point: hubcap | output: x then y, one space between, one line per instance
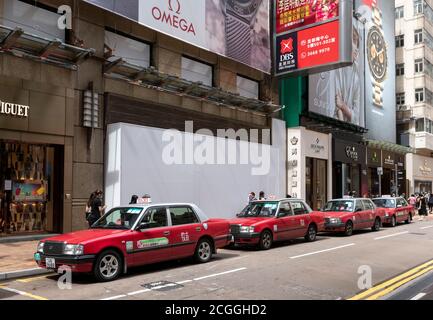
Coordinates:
108 266
266 240
349 228
204 251
312 233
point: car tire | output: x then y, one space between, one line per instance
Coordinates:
203 251
266 240
376 226
108 266
311 235
393 222
348 229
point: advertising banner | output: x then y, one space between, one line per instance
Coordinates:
29 191
312 36
238 29
293 14
363 94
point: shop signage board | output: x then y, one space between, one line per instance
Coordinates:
312 36
14 109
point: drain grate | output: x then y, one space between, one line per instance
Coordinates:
162 286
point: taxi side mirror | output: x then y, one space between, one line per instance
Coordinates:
358 210
143 226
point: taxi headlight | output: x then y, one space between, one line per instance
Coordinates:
40 247
73 249
247 229
335 220
387 214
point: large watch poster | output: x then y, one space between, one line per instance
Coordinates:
238 29
364 93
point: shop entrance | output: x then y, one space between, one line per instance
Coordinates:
31 188
316 183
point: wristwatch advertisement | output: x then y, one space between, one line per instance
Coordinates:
377 54
239 21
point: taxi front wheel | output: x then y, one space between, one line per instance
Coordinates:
203 252
108 266
265 242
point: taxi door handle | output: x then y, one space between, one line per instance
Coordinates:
198 229
166 233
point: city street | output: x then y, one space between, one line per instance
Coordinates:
326 269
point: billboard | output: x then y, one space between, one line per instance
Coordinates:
363 94
293 14
312 36
238 29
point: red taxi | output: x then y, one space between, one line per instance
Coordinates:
397 210
347 215
263 222
136 235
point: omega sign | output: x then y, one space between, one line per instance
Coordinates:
172 16
14 109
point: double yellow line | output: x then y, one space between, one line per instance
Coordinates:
389 286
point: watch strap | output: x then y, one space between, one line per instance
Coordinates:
377 16
238 39
378 94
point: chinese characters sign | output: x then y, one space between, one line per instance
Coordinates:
308 48
292 14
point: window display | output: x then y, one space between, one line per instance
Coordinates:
25 176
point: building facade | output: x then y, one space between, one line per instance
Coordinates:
59 99
414 85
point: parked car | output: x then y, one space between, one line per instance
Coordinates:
397 210
263 222
136 235
347 215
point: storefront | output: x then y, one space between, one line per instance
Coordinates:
389 163
419 173
374 165
310 150
349 168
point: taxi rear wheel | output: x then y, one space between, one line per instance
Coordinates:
265 242
311 234
203 252
376 226
108 266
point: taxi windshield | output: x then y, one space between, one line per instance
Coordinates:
339 206
384 203
259 209
118 218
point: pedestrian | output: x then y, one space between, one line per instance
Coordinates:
252 197
422 210
430 203
134 199
262 196
412 201
97 208
89 205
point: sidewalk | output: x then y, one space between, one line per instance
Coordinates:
16 260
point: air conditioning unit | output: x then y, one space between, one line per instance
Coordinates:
403 108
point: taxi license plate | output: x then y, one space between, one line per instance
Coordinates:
50 263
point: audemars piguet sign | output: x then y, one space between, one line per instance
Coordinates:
13 109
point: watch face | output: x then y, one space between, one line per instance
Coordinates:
244 7
377 54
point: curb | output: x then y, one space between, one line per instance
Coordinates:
23 273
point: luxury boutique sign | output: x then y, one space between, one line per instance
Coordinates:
14 109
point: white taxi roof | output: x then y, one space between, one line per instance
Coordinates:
201 215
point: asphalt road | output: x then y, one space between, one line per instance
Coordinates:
329 269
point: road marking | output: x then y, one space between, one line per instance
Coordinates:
391 282
392 235
22 293
27 280
419 296
322 251
424 228
219 274
115 297
172 284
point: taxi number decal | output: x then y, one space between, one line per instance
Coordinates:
275 228
151 243
129 246
184 236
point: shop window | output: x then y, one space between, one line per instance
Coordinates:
247 88
32 19
28 189
195 71
132 51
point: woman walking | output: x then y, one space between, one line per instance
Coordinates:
97 208
422 207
